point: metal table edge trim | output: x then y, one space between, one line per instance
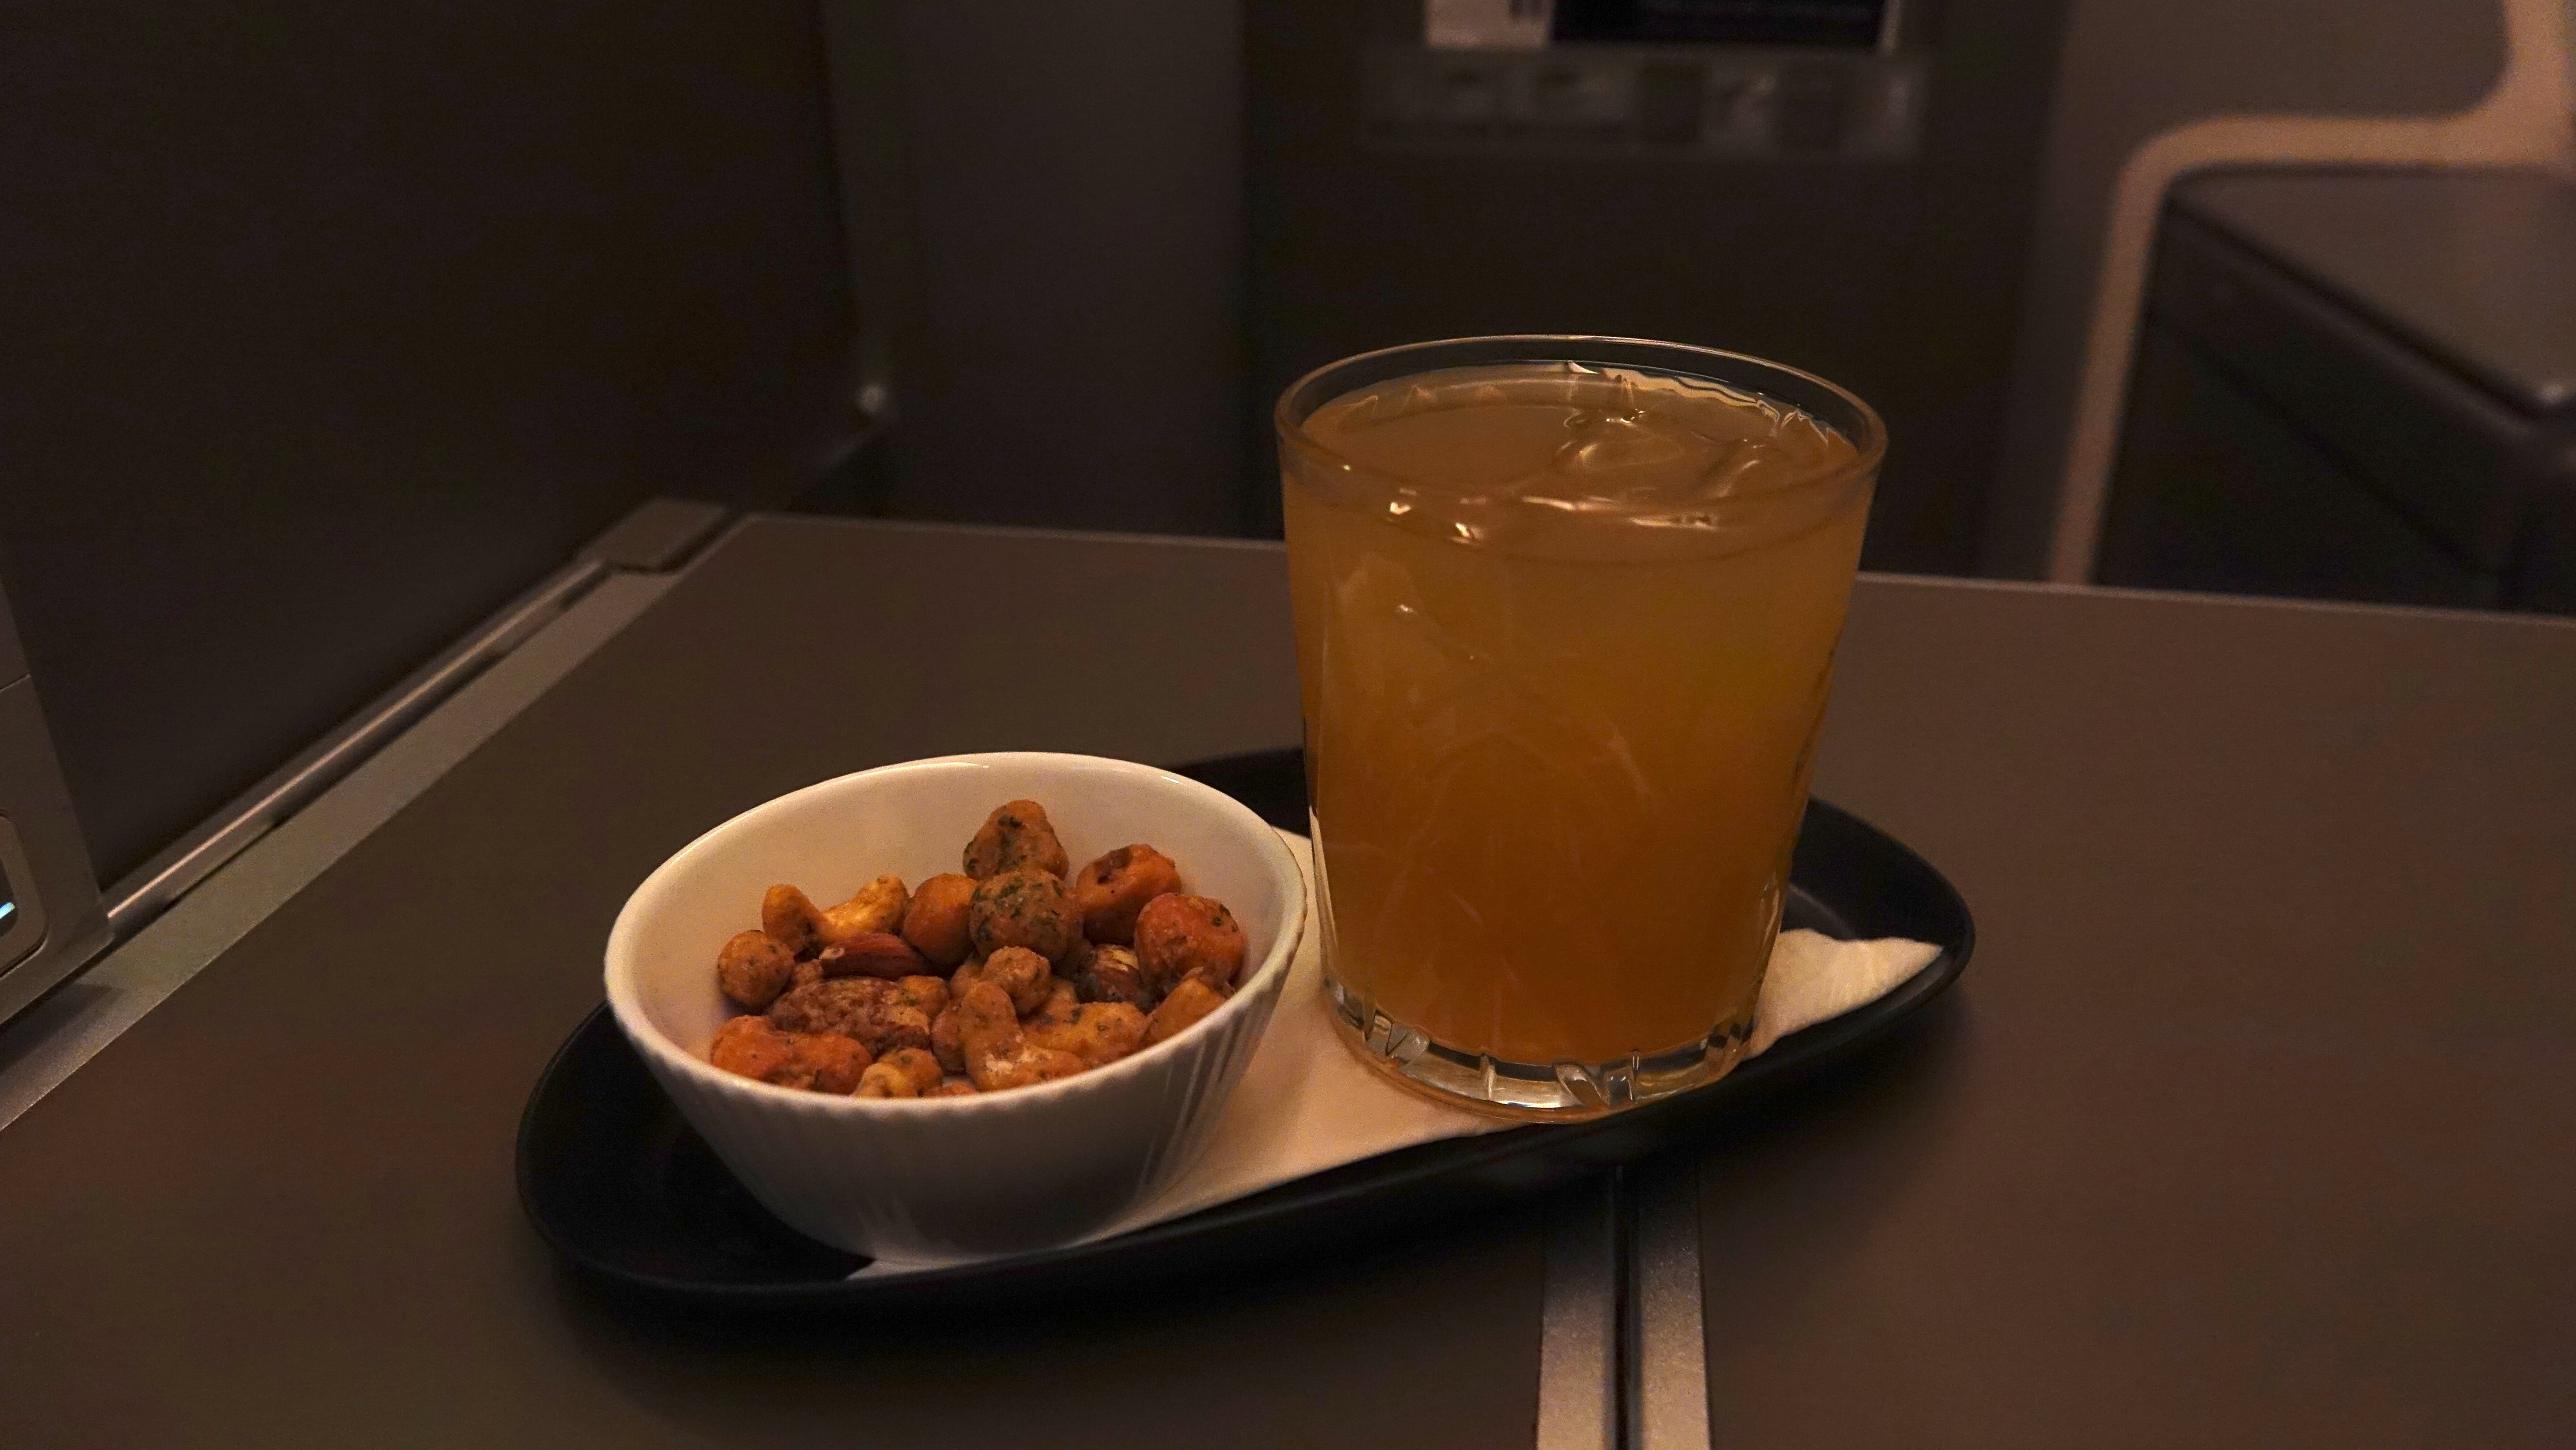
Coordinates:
1014 531
275 859
1579 1385
1623 1357
1666 1370
155 886
2204 600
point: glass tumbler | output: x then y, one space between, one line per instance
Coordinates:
1566 610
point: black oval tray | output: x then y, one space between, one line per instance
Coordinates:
620 1186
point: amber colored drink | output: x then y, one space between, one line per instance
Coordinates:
1564 632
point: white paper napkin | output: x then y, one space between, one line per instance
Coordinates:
1306 1103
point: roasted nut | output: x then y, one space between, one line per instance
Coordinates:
751 1047
935 923
791 916
1188 936
788 915
1190 1001
1022 975
1061 1000
1046 978
753 968
882 1081
865 1008
1075 958
1016 834
1110 891
918 1064
997 1056
986 1021
906 1072
876 907
930 994
822 1061
1027 1067
1112 975
835 1062
945 1043
1024 908
1097 1032
985 1018
871 954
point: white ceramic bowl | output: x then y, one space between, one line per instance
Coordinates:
938 1179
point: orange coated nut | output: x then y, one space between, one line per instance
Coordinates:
1190 1001
834 1063
997 1056
1111 890
820 1061
1024 908
946 1045
882 1081
871 954
1022 975
1015 835
753 968
787 914
1059 1006
791 916
1030 1066
876 907
917 1064
906 1072
753 1048
928 993
1188 936
986 1021
1097 1032
935 924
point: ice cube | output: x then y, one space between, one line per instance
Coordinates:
1623 457
1743 469
1391 404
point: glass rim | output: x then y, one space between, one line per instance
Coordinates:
1861 423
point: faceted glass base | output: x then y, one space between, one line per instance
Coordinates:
1541 1092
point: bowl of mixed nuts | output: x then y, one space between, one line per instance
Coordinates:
964 1006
